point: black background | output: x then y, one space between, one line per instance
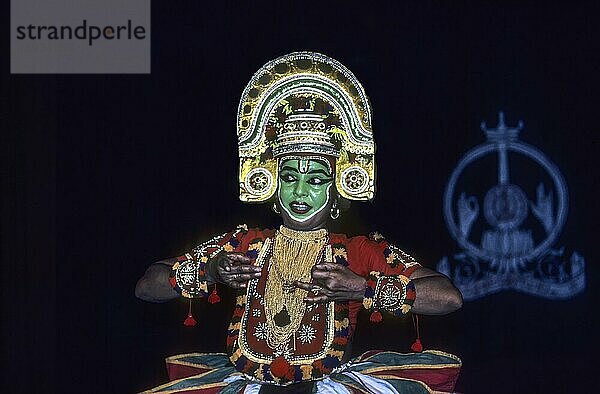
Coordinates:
104 174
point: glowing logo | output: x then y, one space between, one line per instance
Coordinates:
510 246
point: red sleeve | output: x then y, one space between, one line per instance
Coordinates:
387 270
368 254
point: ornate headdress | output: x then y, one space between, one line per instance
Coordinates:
308 104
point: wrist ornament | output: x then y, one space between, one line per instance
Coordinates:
188 277
394 294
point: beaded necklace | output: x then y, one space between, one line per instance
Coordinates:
294 255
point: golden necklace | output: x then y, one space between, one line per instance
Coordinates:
294 255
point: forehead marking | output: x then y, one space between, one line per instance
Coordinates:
306 160
303 165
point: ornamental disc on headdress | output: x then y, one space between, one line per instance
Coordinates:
308 104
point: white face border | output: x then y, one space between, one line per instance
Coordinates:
293 216
287 210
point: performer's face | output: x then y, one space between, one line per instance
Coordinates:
305 192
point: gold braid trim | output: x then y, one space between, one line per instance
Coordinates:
294 255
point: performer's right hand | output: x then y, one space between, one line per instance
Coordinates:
235 270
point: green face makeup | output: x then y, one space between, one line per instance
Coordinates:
304 187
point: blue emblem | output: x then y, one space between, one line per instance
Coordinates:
507 237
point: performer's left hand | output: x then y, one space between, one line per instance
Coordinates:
333 282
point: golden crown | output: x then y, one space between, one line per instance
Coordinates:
305 103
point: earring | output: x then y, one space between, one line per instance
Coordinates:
335 211
275 209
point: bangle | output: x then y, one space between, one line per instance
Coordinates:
188 277
394 294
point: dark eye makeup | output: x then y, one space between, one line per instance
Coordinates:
318 181
288 177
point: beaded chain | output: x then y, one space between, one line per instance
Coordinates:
294 255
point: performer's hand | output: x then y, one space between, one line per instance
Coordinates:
235 270
333 282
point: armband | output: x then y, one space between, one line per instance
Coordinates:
394 294
188 277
